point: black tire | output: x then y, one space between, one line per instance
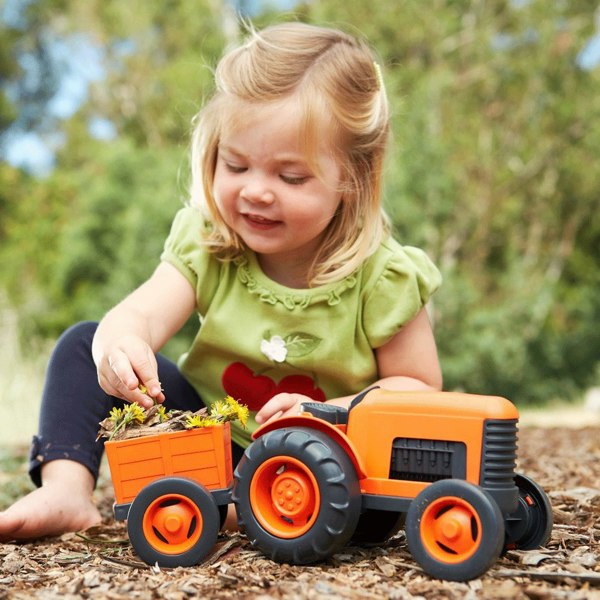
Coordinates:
530 526
173 522
325 500
377 526
454 530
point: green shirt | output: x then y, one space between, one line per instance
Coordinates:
258 338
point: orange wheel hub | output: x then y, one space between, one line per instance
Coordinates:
285 497
450 530
172 524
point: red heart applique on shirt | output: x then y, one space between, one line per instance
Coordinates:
243 385
300 384
254 390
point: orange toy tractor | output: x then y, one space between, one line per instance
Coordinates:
440 464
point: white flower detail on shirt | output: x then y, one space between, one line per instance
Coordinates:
274 349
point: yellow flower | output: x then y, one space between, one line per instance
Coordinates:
240 411
229 410
135 413
122 417
198 422
115 415
163 415
220 410
243 414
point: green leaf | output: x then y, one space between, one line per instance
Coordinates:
300 344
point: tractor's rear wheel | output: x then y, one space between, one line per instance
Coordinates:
297 495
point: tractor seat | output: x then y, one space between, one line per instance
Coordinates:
336 415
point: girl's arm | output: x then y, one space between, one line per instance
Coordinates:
408 362
130 334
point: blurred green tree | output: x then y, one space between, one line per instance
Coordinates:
495 122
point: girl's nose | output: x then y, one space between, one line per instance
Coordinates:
256 189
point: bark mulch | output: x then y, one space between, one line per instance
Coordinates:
99 562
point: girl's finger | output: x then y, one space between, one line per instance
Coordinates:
114 386
147 375
154 397
121 367
276 407
109 388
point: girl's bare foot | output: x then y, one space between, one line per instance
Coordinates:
63 504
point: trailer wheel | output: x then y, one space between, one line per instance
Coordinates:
376 526
454 530
297 495
173 522
529 527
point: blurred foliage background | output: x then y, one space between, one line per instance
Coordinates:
492 171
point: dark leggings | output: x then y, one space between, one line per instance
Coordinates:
73 404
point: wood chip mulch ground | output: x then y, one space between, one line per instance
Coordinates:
99 562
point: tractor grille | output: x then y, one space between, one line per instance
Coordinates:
427 460
499 454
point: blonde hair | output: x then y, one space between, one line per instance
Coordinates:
331 74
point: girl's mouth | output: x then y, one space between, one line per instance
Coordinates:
259 221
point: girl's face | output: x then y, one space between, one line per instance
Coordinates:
269 195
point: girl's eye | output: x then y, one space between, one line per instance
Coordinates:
235 168
294 179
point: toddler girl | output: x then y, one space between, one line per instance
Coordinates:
284 254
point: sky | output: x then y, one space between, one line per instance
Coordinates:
83 65
82 62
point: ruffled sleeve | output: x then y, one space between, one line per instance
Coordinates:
184 251
403 279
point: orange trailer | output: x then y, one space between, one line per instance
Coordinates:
173 489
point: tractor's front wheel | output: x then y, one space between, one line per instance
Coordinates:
454 530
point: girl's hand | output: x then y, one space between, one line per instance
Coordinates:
126 364
281 405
